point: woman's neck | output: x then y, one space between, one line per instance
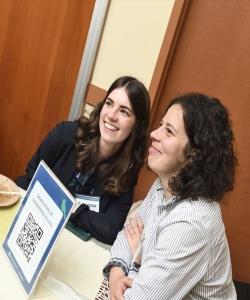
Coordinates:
106 150
166 188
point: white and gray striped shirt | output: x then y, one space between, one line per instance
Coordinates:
185 252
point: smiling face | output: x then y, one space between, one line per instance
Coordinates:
166 153
117 120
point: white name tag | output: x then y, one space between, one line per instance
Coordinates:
93 202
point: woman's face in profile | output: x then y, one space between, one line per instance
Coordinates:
166 153
117 119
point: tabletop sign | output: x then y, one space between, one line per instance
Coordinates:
41 217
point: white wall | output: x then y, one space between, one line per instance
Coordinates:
131 40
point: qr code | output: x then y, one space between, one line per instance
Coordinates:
29 237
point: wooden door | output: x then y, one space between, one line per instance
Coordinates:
41 46
212 55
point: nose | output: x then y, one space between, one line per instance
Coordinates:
112 114
155 134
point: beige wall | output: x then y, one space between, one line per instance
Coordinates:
131 40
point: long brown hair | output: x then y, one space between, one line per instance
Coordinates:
120 175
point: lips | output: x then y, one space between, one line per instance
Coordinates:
110 126
153 150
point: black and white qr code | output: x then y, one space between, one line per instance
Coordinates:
29 237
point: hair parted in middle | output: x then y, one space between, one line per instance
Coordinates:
130 157
209 171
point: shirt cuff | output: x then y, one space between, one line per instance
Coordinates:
135 267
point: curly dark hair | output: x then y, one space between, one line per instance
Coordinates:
209 171
129 159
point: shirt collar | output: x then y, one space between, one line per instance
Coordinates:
163 201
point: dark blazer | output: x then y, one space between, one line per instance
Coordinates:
58 151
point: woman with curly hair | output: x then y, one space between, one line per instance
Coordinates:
176 246
100 157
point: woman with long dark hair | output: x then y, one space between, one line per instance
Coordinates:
100 157
176 247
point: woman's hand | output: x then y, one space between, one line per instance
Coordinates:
133 232
118 283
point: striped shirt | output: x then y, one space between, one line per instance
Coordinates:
184 254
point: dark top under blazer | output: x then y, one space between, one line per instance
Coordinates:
58 151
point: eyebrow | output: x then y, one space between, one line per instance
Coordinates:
122 106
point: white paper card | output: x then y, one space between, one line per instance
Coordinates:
42 215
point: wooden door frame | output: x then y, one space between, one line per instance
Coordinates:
168 46
89 56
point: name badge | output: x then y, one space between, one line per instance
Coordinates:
93 202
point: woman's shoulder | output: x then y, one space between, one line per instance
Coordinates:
202 213
196 209
65 130
61 135
67 126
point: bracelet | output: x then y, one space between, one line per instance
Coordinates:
115 262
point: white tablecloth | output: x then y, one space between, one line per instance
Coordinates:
73 268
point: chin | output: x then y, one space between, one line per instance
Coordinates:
152 166
107 135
